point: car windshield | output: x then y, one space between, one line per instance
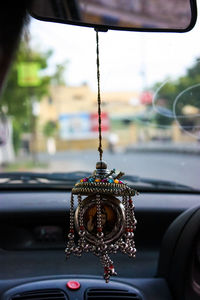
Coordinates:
150 93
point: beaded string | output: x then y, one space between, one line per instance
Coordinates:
99 97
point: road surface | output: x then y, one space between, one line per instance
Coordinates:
182 168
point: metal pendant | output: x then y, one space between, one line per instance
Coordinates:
104 218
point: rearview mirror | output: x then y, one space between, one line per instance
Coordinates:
136 15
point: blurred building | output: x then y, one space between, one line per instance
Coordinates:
74 110
70 117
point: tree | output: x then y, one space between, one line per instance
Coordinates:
58 77
50 129
176 94
17 101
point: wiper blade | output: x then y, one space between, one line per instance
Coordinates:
158 183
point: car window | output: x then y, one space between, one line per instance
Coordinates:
150 87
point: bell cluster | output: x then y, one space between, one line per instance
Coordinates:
100 247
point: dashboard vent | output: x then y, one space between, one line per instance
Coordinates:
52 294
110 294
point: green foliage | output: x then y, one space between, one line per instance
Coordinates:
18 100
182 88
58 77
14 96
50 129
16 135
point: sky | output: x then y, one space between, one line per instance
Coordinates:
129 61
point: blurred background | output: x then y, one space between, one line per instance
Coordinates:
150 102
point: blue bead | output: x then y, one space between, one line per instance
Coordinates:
110 180
91 179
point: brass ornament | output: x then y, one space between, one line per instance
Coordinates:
102 219
104 223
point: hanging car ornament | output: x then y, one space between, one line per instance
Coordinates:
103 222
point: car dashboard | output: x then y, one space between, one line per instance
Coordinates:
33 231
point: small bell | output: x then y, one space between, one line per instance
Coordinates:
104 218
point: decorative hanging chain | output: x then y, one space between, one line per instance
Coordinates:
99 97
102 223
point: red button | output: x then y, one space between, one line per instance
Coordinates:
73 285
